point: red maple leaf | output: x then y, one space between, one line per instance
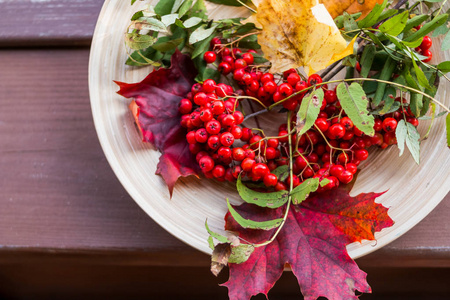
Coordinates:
312 241
157 98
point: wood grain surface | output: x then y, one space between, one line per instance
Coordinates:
47 22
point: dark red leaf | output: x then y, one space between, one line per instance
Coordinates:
157 97
313 242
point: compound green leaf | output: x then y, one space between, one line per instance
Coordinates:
354 102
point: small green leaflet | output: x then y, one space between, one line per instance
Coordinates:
201 33
372 18
354 102
367 59
413 44
132 2
212 234
270 200
164 7
176 5
241 253
427 28
444 66
423 81
282 172
447 126
446 42
415 21
406 132
395 25
149 23
184 8
191 22
386 74
169 19
301 192
137 41
168 45
339 20
309 111
388 101
264 225
349 23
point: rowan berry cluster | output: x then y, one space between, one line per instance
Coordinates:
333 148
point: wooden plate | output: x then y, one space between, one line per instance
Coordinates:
413 190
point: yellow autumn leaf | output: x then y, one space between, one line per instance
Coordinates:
298 33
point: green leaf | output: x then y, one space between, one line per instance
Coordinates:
184 8
138 41
394 107
372 18
241 253
354 102
414 44
423 81
309 111
395 25
150 23
443 29
164 7
132 2
415 21
219 237
258 59
201 47
201 34
367 59
339 20
406 132
198 10
388 101
386 74
282 172
447 127
395 41
446 42
349 23
270 200
302 191
246 223
191 22
169 19
433 115
387 14
176 6
209 74
168 45
137 15
444 66
427 28
145 57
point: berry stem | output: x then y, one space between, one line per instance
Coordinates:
291 187
255 114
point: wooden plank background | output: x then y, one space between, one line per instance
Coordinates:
67 227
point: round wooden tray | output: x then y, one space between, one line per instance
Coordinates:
413 190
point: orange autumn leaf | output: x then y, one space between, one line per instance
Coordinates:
298 33
337 8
